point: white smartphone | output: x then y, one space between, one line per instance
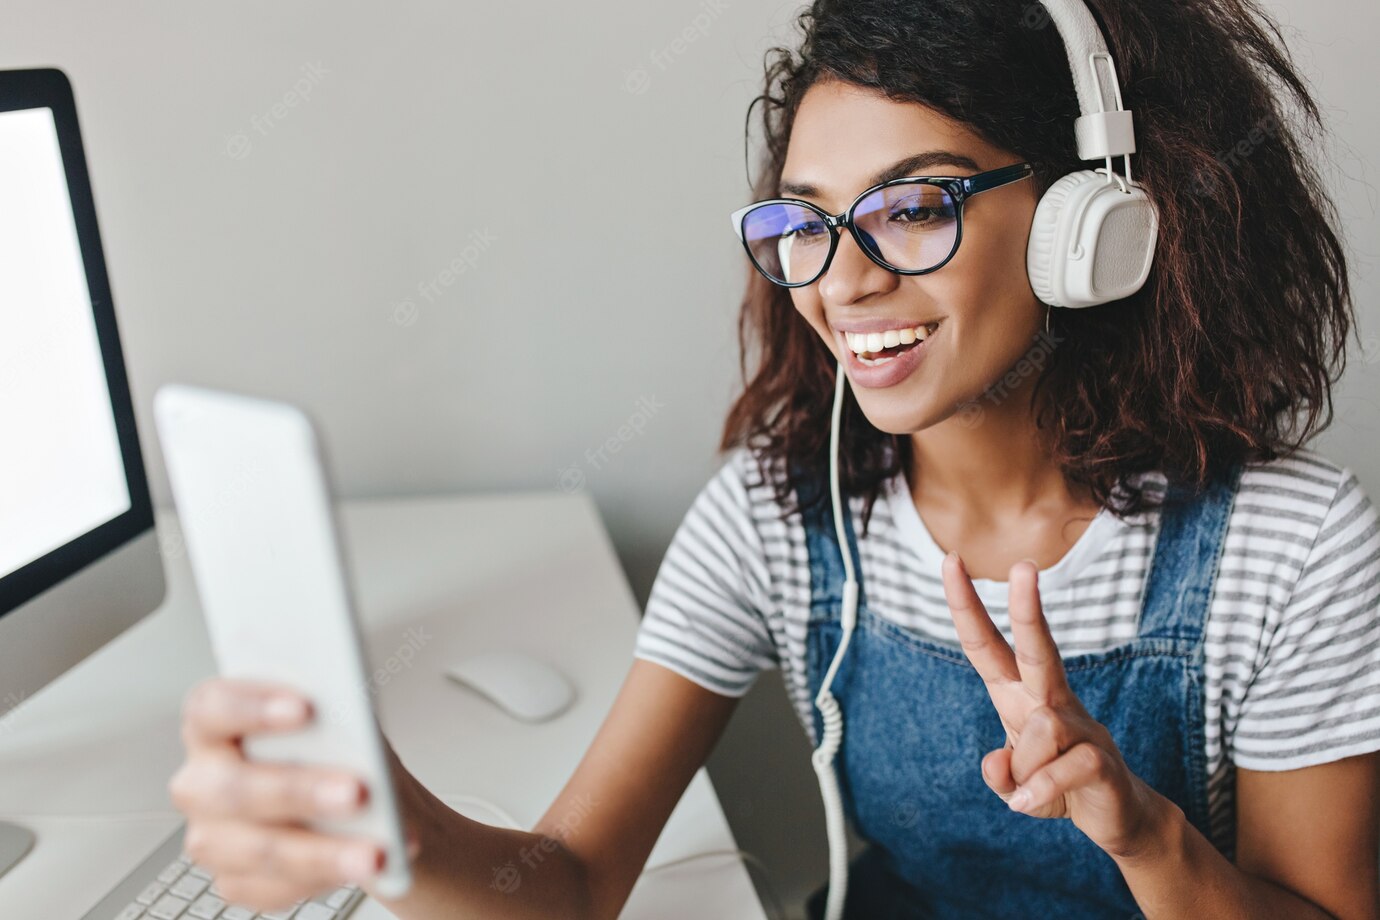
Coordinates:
249 481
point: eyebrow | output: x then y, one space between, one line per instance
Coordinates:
910 166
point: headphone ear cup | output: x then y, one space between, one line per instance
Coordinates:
1090 242
1044 236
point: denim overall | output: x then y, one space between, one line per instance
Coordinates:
917 721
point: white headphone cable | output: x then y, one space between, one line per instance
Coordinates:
823 757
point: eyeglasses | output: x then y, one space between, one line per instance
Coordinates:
909 226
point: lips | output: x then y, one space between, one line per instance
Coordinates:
888 364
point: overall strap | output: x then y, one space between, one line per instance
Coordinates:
1186 558
826 560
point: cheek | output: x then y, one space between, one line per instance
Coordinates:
987 290
811 309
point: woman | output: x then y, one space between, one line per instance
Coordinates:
1188 721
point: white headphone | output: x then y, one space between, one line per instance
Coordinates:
1093 237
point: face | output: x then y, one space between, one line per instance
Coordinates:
977 312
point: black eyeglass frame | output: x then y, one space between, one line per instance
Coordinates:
958 188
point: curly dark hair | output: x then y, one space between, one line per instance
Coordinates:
1230 350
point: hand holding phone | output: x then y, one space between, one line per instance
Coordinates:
250 486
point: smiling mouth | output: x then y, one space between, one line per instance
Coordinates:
880 347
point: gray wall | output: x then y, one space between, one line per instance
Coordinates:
326 202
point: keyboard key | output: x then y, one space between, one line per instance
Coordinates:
152 893
198 871
173 871
314 911
286 914
206 907
237 913
168 907
189 887
131 912
339 898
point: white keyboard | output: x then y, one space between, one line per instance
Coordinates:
169 886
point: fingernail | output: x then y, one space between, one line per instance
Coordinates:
358 864
1019 800
338 795
284 710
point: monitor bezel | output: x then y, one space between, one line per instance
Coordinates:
49 88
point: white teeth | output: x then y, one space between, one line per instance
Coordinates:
863 343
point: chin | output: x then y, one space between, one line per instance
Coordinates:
899 420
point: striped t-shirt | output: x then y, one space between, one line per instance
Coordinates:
1292 648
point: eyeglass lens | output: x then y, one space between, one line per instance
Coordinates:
908 226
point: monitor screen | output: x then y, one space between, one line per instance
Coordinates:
61 470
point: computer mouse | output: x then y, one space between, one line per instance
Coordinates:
525 687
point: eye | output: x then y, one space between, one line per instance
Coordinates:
920 210
806 230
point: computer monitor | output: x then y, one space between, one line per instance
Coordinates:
79 560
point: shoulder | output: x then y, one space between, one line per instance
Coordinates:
736 515
1302 487
1294 515
1301 585
756 480
1308 508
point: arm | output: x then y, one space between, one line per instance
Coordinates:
581 860
1306 847
585 854
246 821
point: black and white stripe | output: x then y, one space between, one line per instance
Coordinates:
1293 636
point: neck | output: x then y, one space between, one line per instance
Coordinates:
989 460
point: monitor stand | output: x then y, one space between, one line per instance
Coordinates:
15 841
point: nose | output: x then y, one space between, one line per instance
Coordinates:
851 274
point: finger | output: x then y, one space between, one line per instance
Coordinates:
1082 765
294 858
1044 737
228 787
414 844
996 772
1037 657
219 711
981 640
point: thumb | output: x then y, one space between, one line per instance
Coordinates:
996 772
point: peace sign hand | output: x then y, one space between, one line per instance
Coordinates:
1058 761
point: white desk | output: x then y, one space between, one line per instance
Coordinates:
85 762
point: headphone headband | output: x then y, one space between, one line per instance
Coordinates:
1105 128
